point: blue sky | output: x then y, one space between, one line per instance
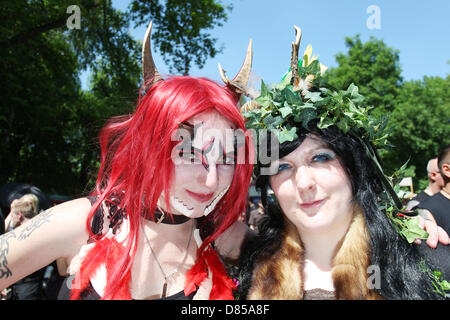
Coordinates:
418 29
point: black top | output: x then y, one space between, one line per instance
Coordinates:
2 222
91 294
28 288
422 196
439 206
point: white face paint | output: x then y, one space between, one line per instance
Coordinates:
202 178
180 206
216 200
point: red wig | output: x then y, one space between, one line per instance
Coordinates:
136 167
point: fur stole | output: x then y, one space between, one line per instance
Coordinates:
279 277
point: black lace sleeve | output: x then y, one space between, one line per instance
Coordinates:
97 220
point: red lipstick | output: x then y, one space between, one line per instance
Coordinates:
202 197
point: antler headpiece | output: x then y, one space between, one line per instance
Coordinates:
151 74
149 71
239 83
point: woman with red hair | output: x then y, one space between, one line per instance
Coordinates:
169 185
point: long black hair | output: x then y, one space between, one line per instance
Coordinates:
400 263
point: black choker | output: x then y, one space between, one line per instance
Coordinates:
162 217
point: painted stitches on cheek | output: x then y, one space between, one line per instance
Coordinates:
216 200
181 206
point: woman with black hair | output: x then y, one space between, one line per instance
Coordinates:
332 228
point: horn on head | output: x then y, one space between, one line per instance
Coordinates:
294 55
250 105
149 71
239 83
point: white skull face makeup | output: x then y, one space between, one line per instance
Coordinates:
203 165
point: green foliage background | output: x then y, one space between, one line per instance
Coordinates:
418 111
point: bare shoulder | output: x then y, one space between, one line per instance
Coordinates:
78 207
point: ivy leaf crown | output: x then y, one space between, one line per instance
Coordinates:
304 95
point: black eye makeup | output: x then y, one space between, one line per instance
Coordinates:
228 158
191 128
198 156
195 155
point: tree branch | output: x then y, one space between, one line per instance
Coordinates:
37 30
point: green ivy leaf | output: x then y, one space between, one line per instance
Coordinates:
352 90
269 119
264 101
325 121
343 125
313 96
292 98
278 95
264 89
412 230
354 94
265 111
286 134
285 111
278 120
306 115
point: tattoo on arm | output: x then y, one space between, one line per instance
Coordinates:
33 225
5 272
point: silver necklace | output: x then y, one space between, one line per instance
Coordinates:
167 277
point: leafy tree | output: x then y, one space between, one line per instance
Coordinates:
373 67
419 124
418 111
181 29
48 124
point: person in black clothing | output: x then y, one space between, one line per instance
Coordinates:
2 222
30 287
435 184
439 204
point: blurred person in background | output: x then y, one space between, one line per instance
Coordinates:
435 184
30 287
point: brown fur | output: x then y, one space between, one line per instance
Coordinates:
280 276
